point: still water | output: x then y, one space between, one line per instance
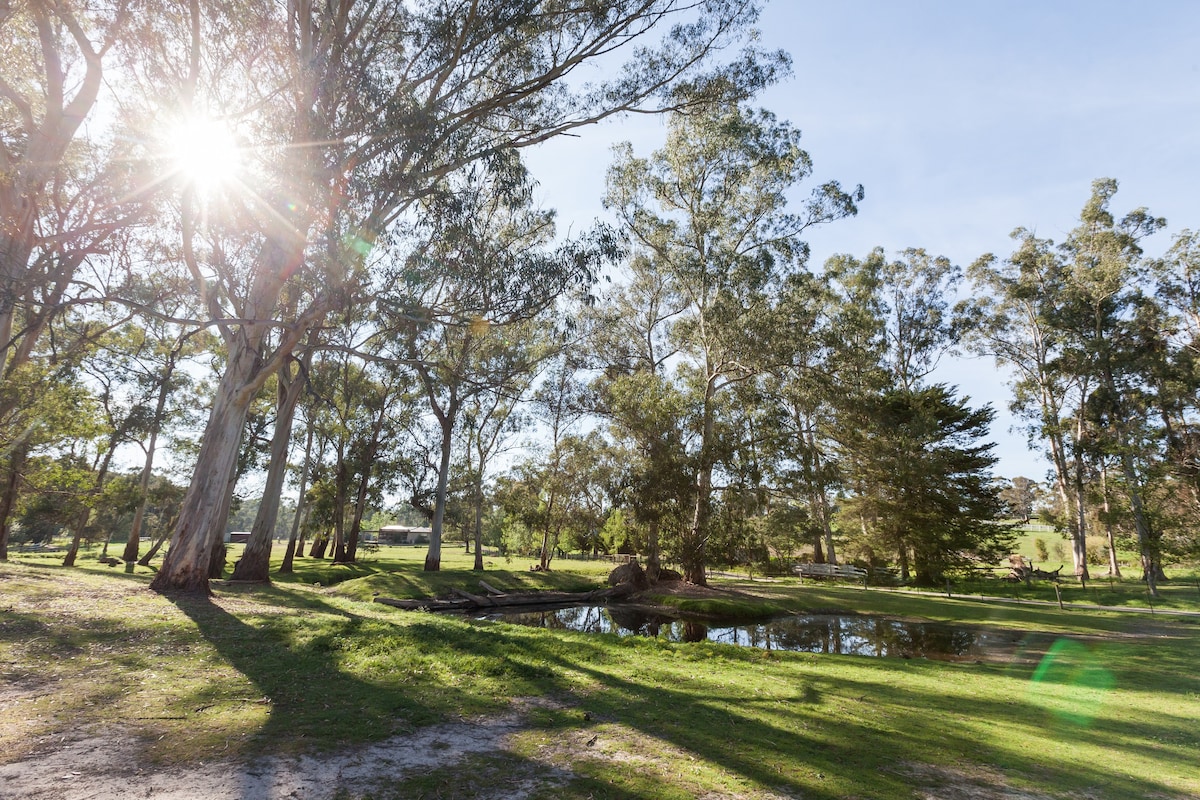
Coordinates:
844 634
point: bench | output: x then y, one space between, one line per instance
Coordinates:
831 571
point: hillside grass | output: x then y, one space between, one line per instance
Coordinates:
1100 704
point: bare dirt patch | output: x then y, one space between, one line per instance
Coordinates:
105 763
974 782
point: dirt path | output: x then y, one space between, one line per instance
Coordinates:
103 765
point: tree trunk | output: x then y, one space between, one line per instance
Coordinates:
139 516
320 544
360 508
820 499
694 555
338 544
433 559
154 548
827 527
653 556
219 551
77 537
8 494
1141 521
295 542
1079 527
694 550
549 542
364 483
1072 502
188 561
818 550
1114 569
1151 570
478 522
255 563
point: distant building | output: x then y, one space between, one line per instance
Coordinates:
237 537
404 534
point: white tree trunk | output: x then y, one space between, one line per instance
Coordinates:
187 563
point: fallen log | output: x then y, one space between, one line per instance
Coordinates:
474 598
466 601
427 604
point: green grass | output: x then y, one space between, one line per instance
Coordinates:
300 667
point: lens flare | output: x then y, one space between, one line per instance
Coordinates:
205 153
1070 683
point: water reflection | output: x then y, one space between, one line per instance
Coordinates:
880 637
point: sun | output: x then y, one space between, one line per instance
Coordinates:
205 153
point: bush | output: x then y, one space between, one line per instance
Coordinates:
1039 547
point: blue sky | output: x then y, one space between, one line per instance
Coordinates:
963 121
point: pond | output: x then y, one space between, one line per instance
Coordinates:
843 634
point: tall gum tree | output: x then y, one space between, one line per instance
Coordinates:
1098 316
54 210
485 271
375 104
709 212
1011 319
629 340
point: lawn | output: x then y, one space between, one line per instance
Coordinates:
1104 706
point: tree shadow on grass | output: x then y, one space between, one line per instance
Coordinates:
826 735
820 728
299 673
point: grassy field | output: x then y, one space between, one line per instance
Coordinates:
1100 705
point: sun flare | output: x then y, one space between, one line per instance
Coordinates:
205 153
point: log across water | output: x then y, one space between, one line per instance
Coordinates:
495 599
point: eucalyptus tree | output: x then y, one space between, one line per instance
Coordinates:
111 371
1020 496
562 405
368 106
560 495
919 329
1012 319
290 381
472 307
490 420
647 418
349 408
628 341
296 534
797 415
65 445
1090 347
1177 291
53 54
47 407
62 193
148 369
1097 316
709 213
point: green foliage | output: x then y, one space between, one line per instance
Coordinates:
517 538
714 242
922 472
614 535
